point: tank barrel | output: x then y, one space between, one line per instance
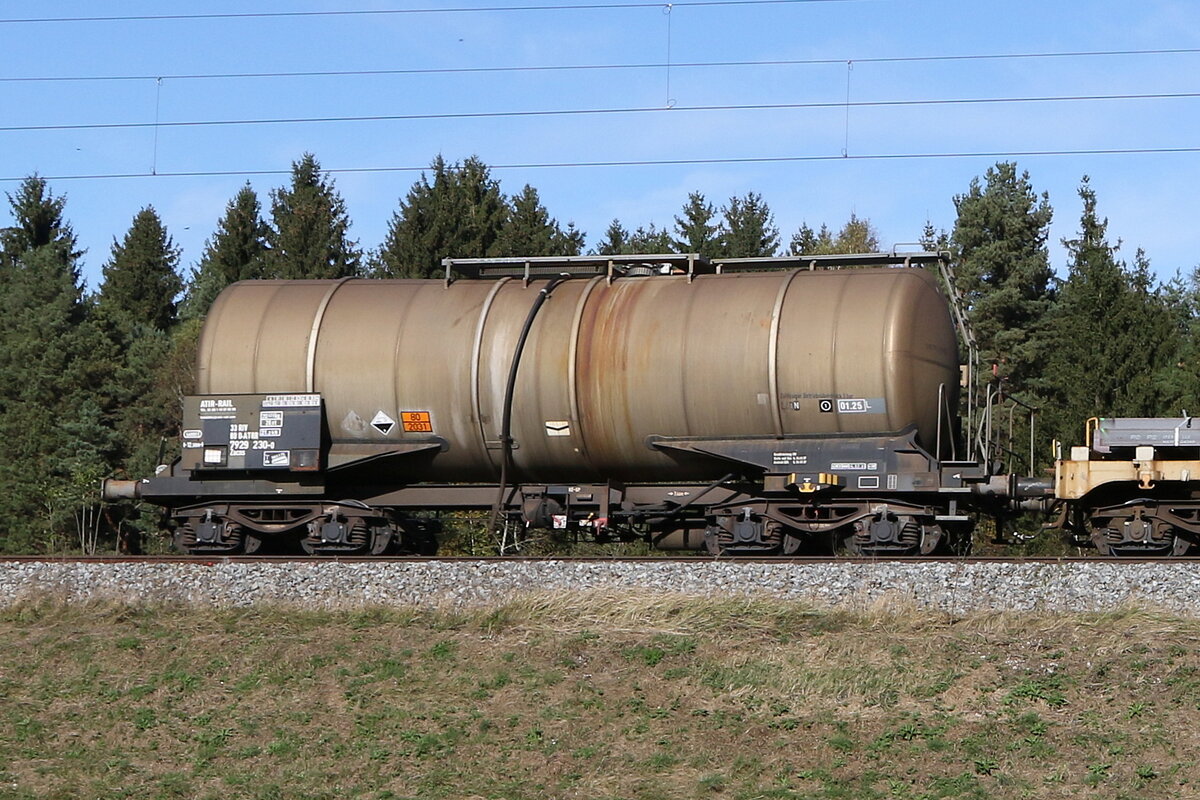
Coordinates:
608 363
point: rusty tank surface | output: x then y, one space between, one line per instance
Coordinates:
610 366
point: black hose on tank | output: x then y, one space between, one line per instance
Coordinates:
509 389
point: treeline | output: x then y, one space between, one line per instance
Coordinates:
1106 340
91 382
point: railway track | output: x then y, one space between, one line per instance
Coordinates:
210 560
954 585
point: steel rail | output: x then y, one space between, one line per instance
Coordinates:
211 560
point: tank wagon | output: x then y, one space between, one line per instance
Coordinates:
749 406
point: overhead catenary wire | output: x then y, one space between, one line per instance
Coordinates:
363 12
566 112
990 154
669 64
647 65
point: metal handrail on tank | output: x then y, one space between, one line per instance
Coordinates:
985 443
988 434
945 422
835 261
535 267
690 264
1033 412
977 447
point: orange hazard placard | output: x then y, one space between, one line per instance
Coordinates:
416 422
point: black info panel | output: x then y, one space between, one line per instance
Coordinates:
253 432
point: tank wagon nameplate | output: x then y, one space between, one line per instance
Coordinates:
253 432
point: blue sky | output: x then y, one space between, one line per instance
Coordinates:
1150 199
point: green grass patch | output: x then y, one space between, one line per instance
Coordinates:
628 696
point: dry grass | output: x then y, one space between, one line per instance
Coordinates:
596 696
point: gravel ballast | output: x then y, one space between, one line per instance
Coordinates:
954 587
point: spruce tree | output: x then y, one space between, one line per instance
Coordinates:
649 240
615 241
461 213
697 231
934 239
530 230
141 278
572 240
646 240
135 312
1178 382
309 235
750 230
53 445
1110 333
807 242
1004 272
38 215
236 252
858 235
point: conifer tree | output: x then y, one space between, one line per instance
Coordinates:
531 231
141 278
572 240
696 231
38 215
750 230
806 241
650 240
1110 333
136 315
1178 382
934 239
461 213
858 235
309 234
1004 272
235 252
646 240
616 239
50 441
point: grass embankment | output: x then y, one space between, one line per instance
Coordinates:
595 697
